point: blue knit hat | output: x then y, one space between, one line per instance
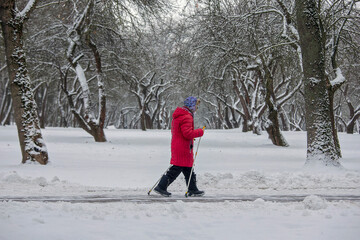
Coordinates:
190 102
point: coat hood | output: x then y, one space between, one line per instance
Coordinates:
181 111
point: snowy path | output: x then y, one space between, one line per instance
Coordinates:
175 198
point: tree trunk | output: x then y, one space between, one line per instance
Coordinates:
227 120
25 111
234 122
6 106
143 120
354 114
285 124
350 126
272 125
331 93
245 126
63 121
244 105
43 107
320 143
148 121
5 116
4 100
256 129
98 134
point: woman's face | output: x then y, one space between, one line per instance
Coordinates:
197 105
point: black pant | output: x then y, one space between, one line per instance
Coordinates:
175 171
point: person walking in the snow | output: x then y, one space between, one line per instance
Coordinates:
182 142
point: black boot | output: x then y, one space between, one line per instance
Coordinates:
161 188
193 190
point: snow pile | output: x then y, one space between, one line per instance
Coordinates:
14 178
12 184
314 202
279 181
259 202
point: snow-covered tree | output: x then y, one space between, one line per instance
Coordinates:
80 33
241 42
321 147
26 117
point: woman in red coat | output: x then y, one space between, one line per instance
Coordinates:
182 142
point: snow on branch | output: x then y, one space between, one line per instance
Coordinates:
76 59
208 102
276 45
3 68
29 6
49 4
73 32
340 79
81 120
270 10
356 116
357 109
285 98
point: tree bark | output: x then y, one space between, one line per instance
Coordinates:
285 124
227 119
6 112
5 104
99 134
331 92
25 111
320 143
43 107
272 125
246 116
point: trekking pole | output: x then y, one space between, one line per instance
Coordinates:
192 168
159 180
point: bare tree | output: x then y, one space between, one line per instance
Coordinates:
238 41
80 31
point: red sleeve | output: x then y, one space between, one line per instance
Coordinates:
187 130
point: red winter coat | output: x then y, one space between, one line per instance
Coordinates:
183 134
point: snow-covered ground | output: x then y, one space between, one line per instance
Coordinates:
229 163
